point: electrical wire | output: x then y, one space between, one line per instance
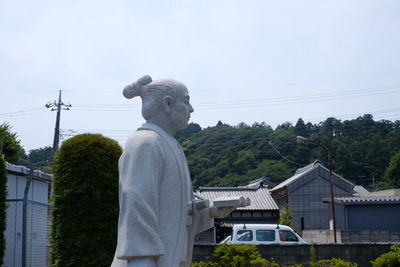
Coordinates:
285 158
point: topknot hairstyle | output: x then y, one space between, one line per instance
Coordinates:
136 88
152 93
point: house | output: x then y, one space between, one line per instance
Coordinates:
27 216
305 191
262 209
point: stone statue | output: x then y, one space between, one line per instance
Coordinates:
159 216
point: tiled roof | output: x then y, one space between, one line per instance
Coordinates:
260 182
303 171
382 193
369 199
359 190
261 198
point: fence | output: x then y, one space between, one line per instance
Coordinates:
27 227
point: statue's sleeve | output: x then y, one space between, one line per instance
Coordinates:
140 169
203 220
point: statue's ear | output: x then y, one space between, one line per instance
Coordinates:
167 101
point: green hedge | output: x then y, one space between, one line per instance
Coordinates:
85 202
231 255
3 207
390 259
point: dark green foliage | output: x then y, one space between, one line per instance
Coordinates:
285 216
182 135
333 263
313 254
238 256
85 202
9 143
3 207
390 259
392 173
226 155
38 158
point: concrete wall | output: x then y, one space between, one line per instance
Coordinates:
320 236
351 236
362 254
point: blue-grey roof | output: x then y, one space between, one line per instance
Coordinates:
369 199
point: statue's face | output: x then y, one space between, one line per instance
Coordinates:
181 108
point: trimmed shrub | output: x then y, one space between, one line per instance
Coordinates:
333 263
390 259
3 206
238 256
85 202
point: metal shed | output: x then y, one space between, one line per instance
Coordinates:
27 217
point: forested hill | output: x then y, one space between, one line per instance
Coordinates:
226 155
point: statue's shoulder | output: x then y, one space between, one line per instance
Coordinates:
143 139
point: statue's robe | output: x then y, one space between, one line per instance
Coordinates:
158 218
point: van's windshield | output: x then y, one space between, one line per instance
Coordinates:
244 235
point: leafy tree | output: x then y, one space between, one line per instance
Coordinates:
9 143
38 158
276 171
392 258
285 126
85 202
244 162
331 127
300 128
285 216
392 173
233 155
182 135
3 207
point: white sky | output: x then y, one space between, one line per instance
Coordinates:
271 61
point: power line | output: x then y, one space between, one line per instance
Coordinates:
288 160
277 84
242 103
263 102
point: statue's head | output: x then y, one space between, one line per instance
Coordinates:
165 97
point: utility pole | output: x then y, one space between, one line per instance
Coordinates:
57 106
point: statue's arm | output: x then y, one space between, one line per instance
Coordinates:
203 220
140 172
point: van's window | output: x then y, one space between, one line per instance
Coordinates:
244 235
265 235
287 236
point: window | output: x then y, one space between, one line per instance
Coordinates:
287 236
244 235
265 235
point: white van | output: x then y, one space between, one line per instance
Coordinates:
256 234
